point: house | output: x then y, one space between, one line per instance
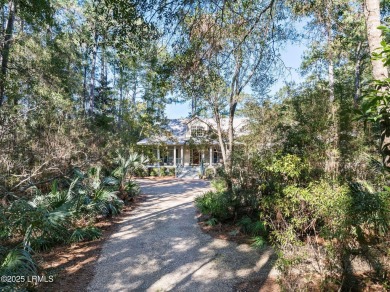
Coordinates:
189 145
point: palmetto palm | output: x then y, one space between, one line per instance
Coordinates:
126 169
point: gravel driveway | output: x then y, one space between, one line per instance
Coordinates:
160 247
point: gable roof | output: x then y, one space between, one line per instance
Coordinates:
193 119
176 130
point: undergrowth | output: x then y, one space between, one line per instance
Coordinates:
64 215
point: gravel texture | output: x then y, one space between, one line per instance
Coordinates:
160 247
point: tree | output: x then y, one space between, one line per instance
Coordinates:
227 47
47 85
31 12
379 72
334 30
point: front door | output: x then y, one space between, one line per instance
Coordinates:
195 157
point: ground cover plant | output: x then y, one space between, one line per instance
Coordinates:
63 216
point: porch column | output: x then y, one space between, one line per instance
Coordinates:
158 155
182 155
211 155
158 162
174 155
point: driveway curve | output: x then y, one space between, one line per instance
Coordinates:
160 247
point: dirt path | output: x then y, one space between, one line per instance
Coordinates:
160 247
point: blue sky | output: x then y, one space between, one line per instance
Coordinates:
291 55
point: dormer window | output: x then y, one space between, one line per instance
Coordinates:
198 131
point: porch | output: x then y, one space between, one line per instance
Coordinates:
185 155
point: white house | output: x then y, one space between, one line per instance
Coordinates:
190 145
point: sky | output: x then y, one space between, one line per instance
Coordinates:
291 56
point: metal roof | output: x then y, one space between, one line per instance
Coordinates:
177 130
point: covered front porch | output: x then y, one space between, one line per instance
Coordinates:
187 155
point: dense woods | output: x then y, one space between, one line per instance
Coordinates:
82 81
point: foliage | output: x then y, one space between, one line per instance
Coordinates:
375 104
155 171
127 168
64 215
212 222
163 171
72 94
85 234
288 167
16 262
352 218
219 185
334 220
133 189
251 227
171 171
218 205
141 172
258 242
210 173
219 55
104 202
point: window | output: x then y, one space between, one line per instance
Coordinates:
168 156
198 131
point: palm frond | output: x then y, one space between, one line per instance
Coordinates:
18 262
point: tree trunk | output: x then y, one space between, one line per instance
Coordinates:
85 91
3 26
121 98
92 79
102 67
135 85
332 163
379 71
219 131
230 149
193 106
234 94
6 48
103 103
358 62
374 35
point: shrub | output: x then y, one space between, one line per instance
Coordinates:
133 189
251 227
289 167
155 172
126 169
172 171
85 234
163 171
220 172
258 242
141 172
212 222
48 219
353 219
17 262
219 185
41 224
210 173
216 204
105 203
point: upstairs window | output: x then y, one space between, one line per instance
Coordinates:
198 131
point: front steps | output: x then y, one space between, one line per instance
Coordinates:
188 172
